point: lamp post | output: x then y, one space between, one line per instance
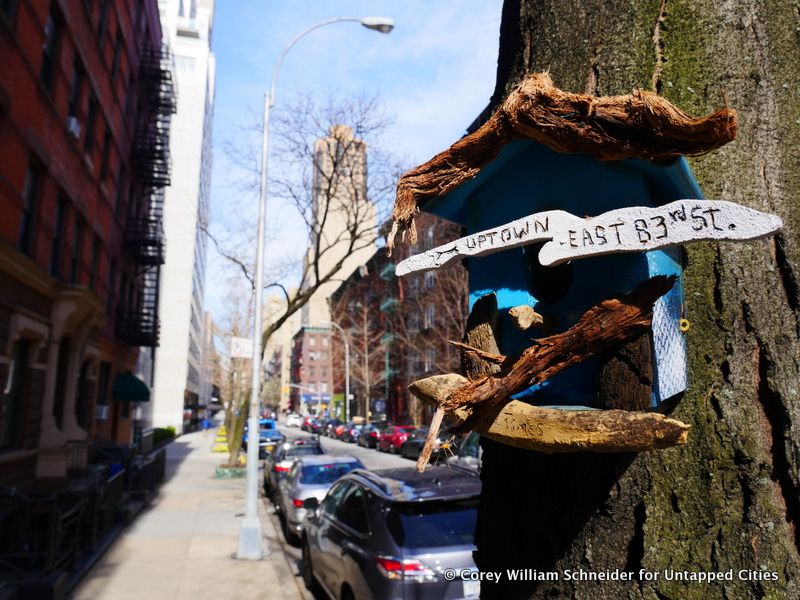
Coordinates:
250 530
346 370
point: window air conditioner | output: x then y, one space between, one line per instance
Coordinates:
101 412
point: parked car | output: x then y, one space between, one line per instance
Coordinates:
446 444
329 427
277 466
268 437
392 534
349 432
393 437
469 455
306 424
293 420
338 431
309 477
315 426
369 436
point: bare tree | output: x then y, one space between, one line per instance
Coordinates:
433 311
366 330
319 168
235 372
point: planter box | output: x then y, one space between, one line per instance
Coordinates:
230 472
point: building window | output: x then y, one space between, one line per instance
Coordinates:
30 207
112 286
91 118
82 396
412 285
430 279
52 35
312 341
75 86
8 8
58 237
430 316
119 198
102 24
413 323
123 292
130 95
95 262
323 387
13 396
77 247
115 60
430 359
106 151
103 379
429 237
325 341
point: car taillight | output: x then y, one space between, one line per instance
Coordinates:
298 502
373 434
398 569
280 469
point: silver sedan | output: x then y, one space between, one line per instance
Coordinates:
309 477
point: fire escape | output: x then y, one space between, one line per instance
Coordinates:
137 321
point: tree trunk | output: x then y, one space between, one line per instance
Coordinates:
730 498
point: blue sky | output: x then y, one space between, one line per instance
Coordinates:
435 72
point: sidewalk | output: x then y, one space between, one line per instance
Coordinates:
183 545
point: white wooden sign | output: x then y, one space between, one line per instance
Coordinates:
241 347
631 229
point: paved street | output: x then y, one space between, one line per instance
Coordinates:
372 459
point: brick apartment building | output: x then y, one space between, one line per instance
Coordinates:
85 100
311 370
398 328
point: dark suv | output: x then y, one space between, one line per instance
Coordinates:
392 534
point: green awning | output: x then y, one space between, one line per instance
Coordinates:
129 388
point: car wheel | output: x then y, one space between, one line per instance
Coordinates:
347 593
308 570
290 536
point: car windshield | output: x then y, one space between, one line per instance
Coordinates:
435 523
327 473
303 450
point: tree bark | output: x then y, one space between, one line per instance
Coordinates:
729 498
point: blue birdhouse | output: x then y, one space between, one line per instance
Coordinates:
569 200
528 178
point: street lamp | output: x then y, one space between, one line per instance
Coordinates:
250 530
346 369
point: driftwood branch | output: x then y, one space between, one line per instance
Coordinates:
498 359
524 317
551 430
485 404
603 327
639 125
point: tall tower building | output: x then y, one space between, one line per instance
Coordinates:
340 203
178 383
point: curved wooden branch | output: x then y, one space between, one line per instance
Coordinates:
485 404
639 125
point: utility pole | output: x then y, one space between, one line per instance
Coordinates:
364 311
